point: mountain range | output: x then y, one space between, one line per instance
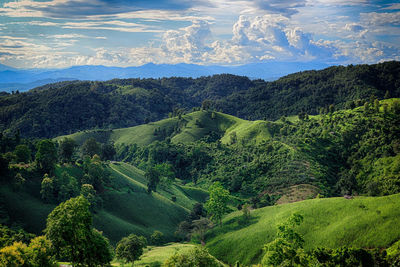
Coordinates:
12 79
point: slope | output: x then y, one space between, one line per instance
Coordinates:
369 222
127 207
184 129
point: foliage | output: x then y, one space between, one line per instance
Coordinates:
37 254
216 205
67 148
130 248
283 251
46 155
69 230
195 257
22 153
91 147
157 238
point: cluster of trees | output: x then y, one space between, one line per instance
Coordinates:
72 106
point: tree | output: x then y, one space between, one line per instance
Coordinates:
216 205
198 257
91 147
107 152
285 249
157 238
67 148
69 230
47 189
22 153
46 156
130 248
153 178
200 228
39 253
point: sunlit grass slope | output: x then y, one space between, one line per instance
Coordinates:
192 127
332 222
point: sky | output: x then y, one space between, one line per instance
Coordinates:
64 33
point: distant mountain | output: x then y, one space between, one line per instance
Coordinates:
15 79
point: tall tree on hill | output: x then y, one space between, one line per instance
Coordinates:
69 228
91 147
46 155
67 148
216 205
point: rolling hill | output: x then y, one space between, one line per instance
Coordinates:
67 107
127 207
368 222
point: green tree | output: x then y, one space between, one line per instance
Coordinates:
47 189
198 257
153 178
67 148
39 253
69 230
200 228
107 151
130 248
46 156
22 153
90 147
14 255
216 205
157 238
285 250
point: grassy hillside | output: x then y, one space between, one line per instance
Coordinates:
369 222
127 207
190 128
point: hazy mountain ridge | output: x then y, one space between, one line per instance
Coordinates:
12 79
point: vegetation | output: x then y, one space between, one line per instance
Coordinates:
130 248
332 223
336 132
69 230
72 106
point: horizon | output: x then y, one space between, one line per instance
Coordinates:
49 34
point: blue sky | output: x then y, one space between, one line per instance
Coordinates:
63 33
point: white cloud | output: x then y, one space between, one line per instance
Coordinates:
380 19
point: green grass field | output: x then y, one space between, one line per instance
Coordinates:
366 222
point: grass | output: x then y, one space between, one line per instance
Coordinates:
333 222
194 126
156 256
127 207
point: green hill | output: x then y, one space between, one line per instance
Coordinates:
368 222
127 207
58 109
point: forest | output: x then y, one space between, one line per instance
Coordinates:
213 171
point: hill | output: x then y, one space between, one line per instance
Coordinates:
342 152
68 107
368 222
127 207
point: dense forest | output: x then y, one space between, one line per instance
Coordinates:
67 107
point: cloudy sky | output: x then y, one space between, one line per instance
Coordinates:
63 33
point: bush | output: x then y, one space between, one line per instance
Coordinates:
198 257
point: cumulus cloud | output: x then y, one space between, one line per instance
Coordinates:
380 19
